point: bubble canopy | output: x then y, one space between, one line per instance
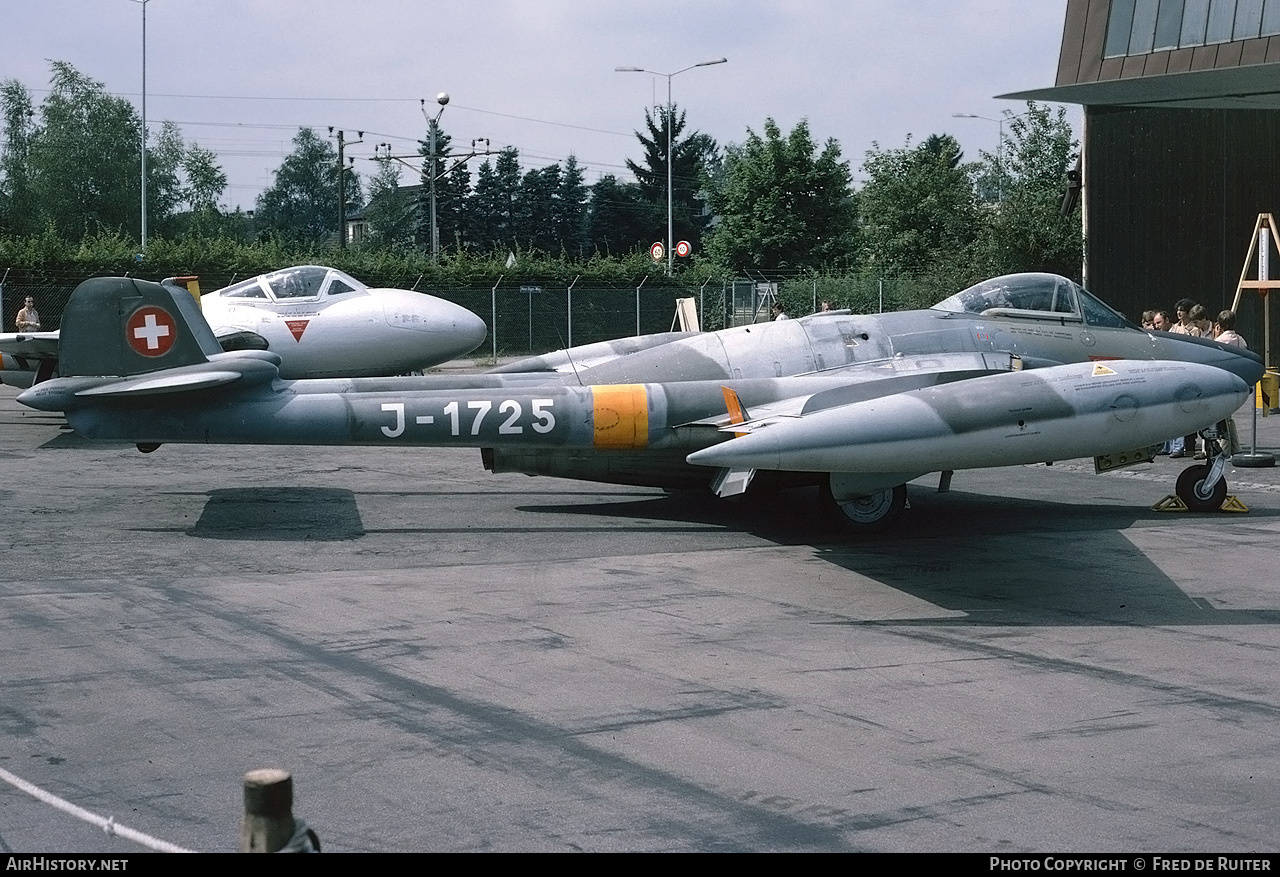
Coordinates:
1034 296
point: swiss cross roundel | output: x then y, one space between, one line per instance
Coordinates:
151 331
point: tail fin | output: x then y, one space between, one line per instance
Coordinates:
121 326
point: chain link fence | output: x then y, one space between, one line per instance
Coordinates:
526 317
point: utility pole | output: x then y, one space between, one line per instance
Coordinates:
342 188
382 152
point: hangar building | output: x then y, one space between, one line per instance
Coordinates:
1181 147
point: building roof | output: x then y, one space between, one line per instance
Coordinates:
1255 87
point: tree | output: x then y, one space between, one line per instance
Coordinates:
79 171
452 184
205 180
690 156
569 219
1027 230
392 218
918 210
18 206
494 203
536 209
618 218
85 159
780 206
302 204
165 189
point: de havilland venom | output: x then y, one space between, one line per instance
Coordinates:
320 321
1019 369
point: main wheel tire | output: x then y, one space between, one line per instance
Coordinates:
867 514
1191 484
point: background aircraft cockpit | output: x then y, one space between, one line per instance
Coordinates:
293 284
1034 297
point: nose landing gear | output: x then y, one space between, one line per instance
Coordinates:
1203 487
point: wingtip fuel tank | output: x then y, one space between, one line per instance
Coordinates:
1055 413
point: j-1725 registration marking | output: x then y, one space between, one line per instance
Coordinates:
473 415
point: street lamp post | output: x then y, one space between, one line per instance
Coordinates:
432 126
144 122
670 109
999 145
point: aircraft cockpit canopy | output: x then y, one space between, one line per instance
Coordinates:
294 284
1033 297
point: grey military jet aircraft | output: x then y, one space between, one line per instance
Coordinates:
1018 369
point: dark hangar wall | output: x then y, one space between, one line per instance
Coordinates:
1172 199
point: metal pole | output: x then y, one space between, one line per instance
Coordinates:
671 243
569 307
670 107
702 308
433 126
342 202
642 283
435 232
144 125
1000 164
493 307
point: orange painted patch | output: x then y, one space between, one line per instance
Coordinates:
620 415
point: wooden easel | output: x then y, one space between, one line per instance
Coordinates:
1264 231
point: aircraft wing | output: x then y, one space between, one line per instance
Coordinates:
586 356
30 345
870 380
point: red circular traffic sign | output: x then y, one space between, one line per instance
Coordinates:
657 251
683 249
151 331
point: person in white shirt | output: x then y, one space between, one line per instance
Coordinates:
1224 330
28 318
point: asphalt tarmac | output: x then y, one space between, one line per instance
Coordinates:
449 660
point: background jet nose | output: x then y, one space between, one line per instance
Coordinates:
444 320
467 327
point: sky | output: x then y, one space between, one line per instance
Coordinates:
240 77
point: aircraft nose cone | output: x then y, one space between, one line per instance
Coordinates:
453 328
469 328
1244 364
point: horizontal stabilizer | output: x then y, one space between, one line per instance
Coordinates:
33 345
160 383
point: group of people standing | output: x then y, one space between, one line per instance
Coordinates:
1193 320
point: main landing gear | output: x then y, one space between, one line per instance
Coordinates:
864 514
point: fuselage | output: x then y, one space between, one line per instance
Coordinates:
324 323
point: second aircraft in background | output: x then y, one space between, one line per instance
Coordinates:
320 321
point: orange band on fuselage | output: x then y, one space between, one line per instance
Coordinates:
620 416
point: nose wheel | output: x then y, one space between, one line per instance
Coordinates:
1201 489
